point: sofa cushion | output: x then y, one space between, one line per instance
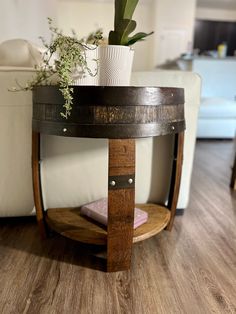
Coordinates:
217 108
216 128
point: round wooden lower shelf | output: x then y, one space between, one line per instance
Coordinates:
70 223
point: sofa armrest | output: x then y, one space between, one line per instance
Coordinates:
191 83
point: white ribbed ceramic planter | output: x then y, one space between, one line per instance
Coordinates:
115 65
81 78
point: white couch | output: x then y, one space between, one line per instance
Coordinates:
74 171
217 114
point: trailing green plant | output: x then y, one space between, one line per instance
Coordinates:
124 25
68 53
94 38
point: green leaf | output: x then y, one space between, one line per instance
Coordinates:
119 11
114 38
124 25
124 9
123 30
129 8
137 37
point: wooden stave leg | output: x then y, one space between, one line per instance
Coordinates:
38 201
233 176
175 177
121 203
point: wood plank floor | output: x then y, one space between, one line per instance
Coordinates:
190 270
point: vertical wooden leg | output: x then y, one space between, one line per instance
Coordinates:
37 183
233 176
121 190
176 177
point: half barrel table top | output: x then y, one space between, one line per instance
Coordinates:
110 112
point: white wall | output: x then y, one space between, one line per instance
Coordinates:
86 16
25 19
174 25
171 20
215 14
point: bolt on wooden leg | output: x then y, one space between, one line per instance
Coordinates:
121 192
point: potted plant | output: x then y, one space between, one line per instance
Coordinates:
67 61
116 58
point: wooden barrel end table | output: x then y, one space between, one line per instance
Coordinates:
119 114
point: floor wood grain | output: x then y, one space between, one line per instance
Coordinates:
190 270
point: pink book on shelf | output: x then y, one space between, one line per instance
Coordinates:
98 211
